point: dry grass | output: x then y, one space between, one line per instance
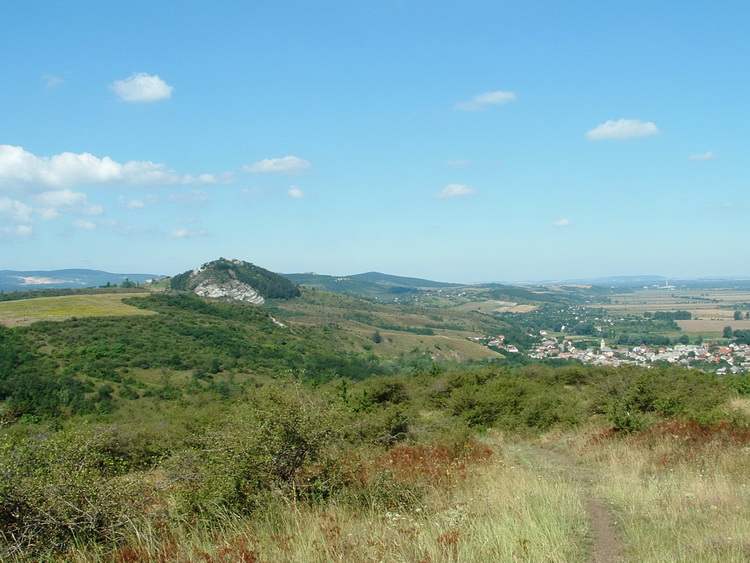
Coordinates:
681 490
477 507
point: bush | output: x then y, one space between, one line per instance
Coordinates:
627 395
259 451
57 488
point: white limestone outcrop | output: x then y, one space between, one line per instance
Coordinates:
229 290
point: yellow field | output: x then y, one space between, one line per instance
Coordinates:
27 311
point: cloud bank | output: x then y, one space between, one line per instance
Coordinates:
22 169
34 187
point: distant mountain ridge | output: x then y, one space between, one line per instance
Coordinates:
19 280
634 282
387 279
370 285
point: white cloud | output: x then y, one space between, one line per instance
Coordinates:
562 223
141 87
51 80
118 227
455 190
17 230
191 198
457 162
20 168
622 129
483 101
85 225
16 211
53 202
704 156
207 179
133 203
187 233
296 193
285 165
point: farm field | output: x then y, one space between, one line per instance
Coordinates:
27 311
706 305
706 325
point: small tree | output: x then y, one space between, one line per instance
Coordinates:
727 332
738 315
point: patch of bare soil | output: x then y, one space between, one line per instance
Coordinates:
18 321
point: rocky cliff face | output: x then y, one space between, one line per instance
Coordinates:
229 290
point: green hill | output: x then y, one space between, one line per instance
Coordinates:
225 274
372 285
387 279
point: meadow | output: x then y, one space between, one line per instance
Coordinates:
28 311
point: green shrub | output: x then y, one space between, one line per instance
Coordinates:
58 488
259 451
627 395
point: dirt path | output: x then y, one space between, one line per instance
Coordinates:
606 546
605 538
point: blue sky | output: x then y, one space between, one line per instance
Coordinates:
463 141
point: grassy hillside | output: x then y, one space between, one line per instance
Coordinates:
356 286
106 351
83 304
464 464
444 334
328 427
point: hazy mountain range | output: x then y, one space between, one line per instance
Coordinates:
369 284
13 280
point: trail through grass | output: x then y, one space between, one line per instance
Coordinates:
679 491
554 463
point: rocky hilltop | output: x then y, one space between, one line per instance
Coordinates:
229 278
